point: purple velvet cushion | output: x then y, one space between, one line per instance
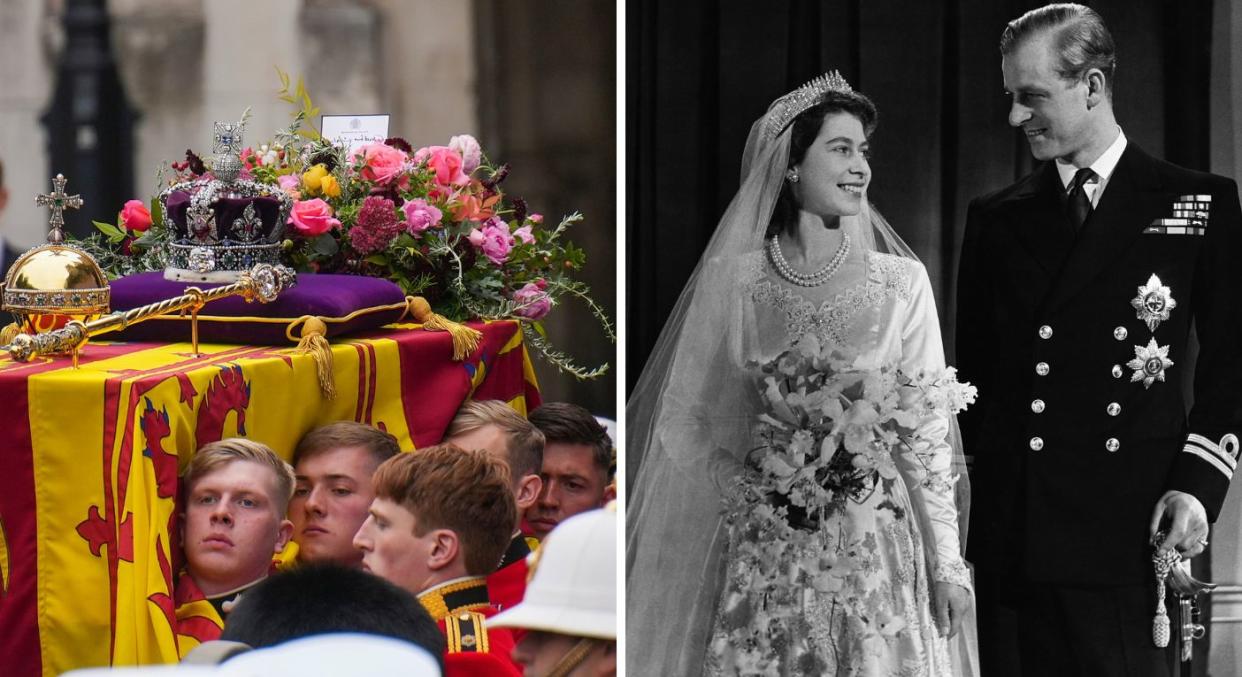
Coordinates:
324 296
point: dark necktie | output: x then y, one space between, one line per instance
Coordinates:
1079 205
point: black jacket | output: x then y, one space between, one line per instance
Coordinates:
1071 454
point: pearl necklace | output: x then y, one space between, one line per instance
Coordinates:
815 279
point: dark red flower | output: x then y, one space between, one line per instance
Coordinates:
519 210
499 175
196 163
399 143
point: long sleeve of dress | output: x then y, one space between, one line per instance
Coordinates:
928 464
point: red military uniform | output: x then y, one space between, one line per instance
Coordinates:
507 585
459 607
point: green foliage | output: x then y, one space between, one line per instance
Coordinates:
441 263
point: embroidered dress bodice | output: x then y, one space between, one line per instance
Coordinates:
839 317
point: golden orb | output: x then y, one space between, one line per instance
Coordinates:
53 284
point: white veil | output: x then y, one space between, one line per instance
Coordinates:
689 416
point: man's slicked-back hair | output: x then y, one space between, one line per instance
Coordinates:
1079 36
570 423
345 434
524 441
216 455
463 490
313 599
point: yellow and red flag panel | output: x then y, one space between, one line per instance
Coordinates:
90 458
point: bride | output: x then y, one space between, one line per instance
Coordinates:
798 252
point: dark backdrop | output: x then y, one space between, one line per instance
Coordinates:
700 73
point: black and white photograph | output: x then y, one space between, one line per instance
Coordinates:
930 343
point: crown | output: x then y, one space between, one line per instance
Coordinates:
796 102
222 225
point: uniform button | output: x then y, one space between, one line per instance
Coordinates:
1037 443
1112 444
1045 332
1042 369
1114 408
1117 372
1037 406
1120 333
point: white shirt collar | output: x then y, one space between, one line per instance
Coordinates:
1103 165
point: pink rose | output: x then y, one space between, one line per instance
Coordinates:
493 240
524 234
249 159
384 164
468 148
536 218
135 216
447 164
420 216
311 218
533 302
290 183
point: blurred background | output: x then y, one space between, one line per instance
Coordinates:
105 91
698 75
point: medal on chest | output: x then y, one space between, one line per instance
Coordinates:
1154 302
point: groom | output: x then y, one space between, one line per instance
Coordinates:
1077 291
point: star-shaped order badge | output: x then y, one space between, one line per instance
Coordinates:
1153 303
1149 363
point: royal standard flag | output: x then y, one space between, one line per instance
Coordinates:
90 460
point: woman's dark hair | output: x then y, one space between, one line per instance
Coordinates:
805 128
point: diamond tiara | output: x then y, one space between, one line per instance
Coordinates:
798 101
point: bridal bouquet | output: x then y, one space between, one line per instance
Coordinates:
827 435
435 220
830 428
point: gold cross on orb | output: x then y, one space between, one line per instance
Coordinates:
58 202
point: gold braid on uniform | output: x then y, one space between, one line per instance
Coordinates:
573 658
466 595
465 633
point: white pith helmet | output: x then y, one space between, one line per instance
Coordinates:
573 580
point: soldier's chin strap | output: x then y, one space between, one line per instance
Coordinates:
573 658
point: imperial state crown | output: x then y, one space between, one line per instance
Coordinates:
222 225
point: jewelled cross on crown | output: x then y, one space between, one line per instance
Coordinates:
227 146
58 202
227 137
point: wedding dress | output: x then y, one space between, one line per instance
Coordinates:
690 421
874 616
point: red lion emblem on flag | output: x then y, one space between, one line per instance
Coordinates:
229 392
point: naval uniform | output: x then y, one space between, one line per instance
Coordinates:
459 608
1077 341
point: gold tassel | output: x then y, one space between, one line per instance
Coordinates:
314 341
465 339
10 330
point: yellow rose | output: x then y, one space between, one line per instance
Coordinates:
329 186
313 178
